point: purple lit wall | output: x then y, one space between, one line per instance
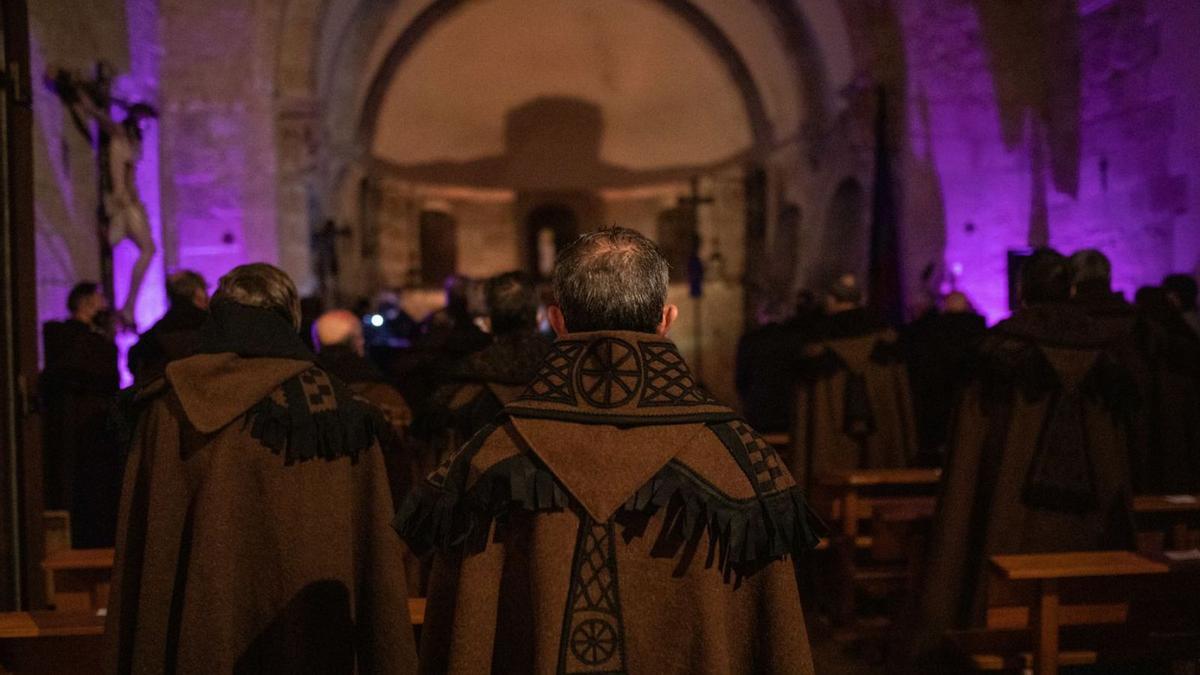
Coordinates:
141 84
1001 168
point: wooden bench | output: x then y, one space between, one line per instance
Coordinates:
51 642
1031 598
891 501
1167 522
72 642
79 578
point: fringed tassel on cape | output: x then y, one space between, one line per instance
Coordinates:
743 531
343 426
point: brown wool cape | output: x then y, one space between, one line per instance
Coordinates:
613 519
1037 460
853 408
253 534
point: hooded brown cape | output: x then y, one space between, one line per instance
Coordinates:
853 408
1037 460
253 533
613 519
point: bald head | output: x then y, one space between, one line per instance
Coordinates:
339 328
956 303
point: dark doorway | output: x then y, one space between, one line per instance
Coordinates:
676 235
549 228
439 246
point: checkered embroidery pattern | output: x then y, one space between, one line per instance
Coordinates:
668 381
318 391
554 383
764 461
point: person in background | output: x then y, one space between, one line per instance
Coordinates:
1169 461
82 463
445 338
764 382
176 334
1181 289
338 335
557 531
254 532
482 383
1037 457
939 349
853 407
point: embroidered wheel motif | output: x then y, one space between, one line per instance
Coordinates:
610 373
592 637
594 642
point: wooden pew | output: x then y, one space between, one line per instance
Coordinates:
79 578
1167 522
1032 597
890 501
48 643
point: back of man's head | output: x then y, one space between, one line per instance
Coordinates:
1182 290
186 286
611 279
1090 267
843 294
1045 277
260 285
339 328
957 302
512 303
81 293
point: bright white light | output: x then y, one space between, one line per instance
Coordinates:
377 320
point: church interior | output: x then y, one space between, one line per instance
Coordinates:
942 255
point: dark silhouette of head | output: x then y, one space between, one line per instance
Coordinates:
85 301
512 303
186 286
1091 269
1045 277
1181 289
260 285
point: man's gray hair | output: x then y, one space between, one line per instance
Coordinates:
611 279
1090 265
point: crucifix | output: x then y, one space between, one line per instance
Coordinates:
325 257
121 214
690 204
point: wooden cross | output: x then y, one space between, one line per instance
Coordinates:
325 257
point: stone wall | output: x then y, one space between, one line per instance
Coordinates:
122 33
218 137
1102 152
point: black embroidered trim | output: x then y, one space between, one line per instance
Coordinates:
593 631
555 382
609 372
315 416
640 419
669 382
758 459
441 515
1006 367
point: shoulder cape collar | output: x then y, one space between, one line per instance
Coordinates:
619 378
